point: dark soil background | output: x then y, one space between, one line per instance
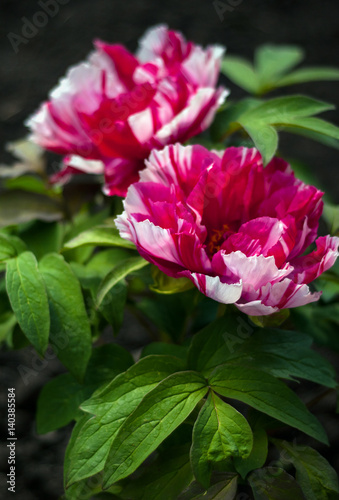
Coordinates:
30 69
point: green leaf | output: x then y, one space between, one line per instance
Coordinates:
266 394
119 272
220 490
331 216
18 206
291 111
28 298
99 236
167 285
112 308
284 353
315 125
241 72
160 412
219 432
178 351
10 246
215 343
265 138
258 455
316 477
7 250
59 401
273 483
102 262
164 479
271 320
68 314
283 109
272 61
309 74
111 407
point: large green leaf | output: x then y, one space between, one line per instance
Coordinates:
68 314
111 407
316 477
219 432
273 483
160 412
164 479
98 236
28 298
120 271
266 394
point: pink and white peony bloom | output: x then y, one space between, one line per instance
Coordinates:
237 230
109 112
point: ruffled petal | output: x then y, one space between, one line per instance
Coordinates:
309 267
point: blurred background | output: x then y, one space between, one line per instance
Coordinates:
35 52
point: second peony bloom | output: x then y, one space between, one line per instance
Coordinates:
109 112
237 230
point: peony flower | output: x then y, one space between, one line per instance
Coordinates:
109 112
237 230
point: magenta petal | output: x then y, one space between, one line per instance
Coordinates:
308 267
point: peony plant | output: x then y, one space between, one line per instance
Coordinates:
173 209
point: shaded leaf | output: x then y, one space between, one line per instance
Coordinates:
273 483
164 479
120 271
220 490
316 477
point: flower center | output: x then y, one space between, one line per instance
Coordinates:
217 238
